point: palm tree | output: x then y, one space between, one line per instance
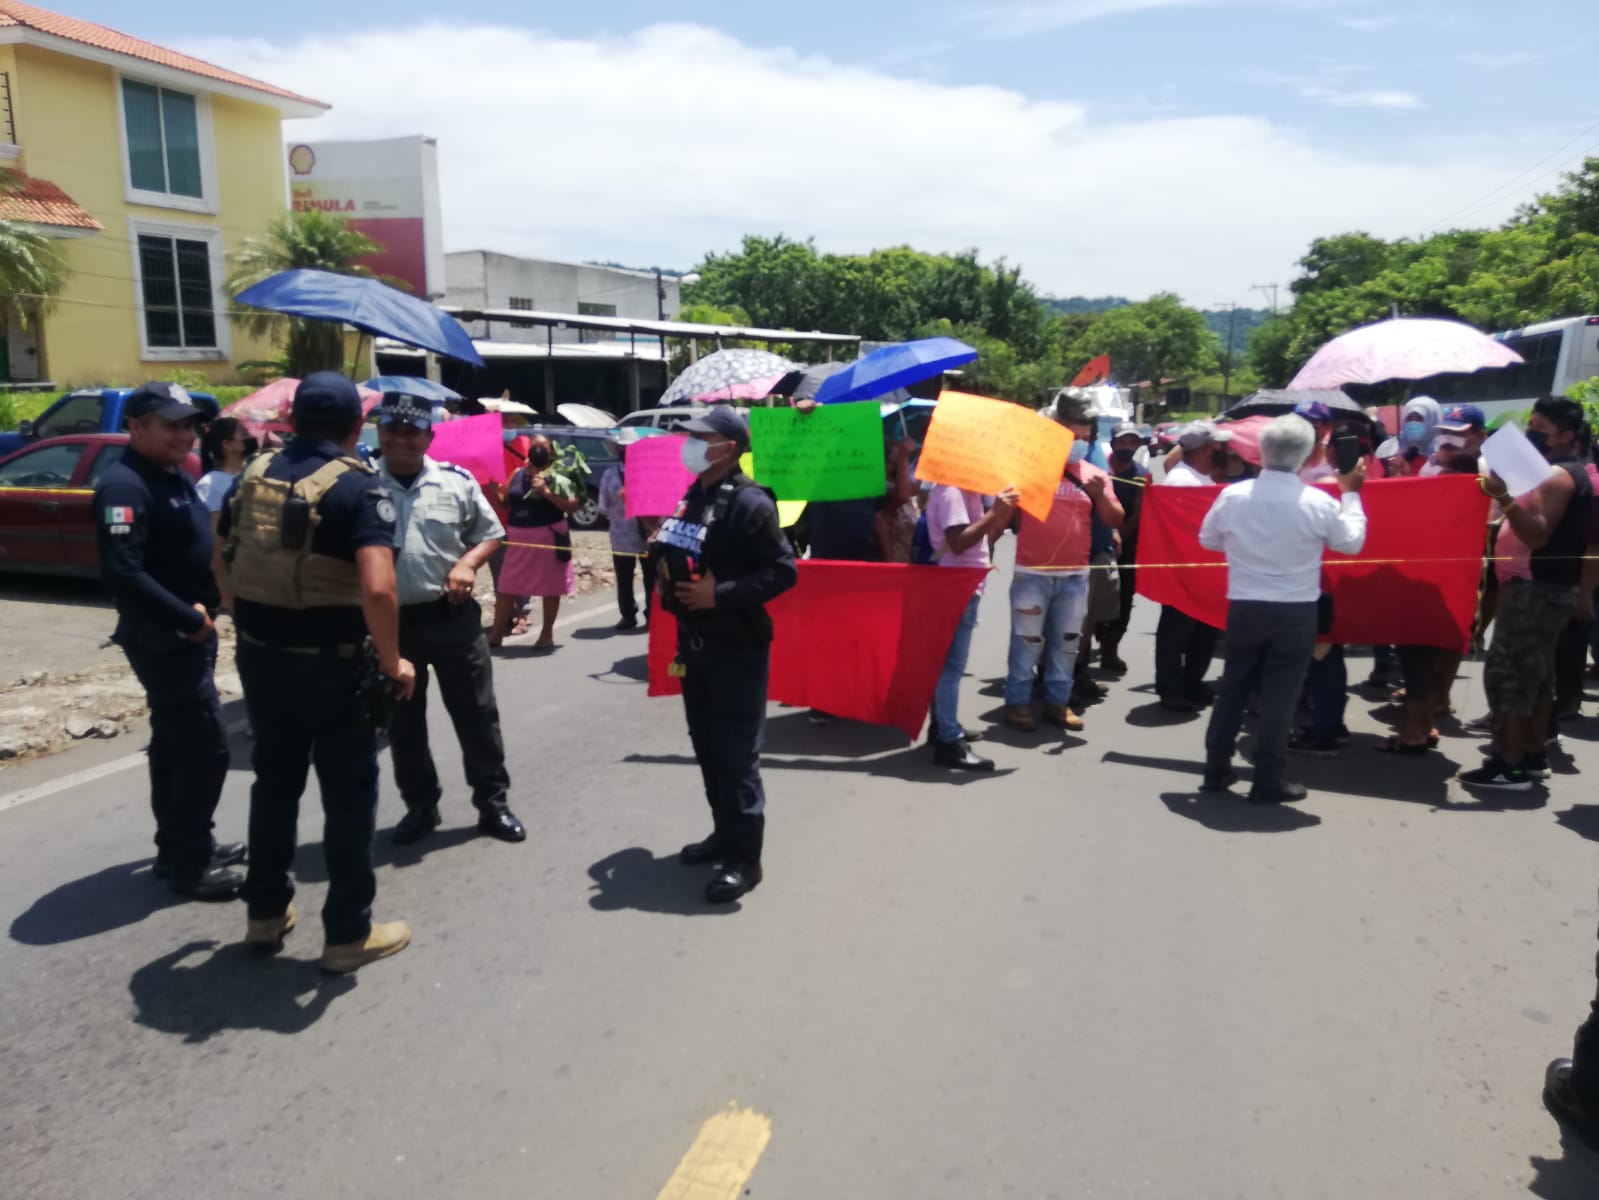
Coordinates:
311 239
33 270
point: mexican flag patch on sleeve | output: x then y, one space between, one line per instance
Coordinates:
115 515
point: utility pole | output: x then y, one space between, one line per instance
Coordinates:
660 296
1227 361
1269 290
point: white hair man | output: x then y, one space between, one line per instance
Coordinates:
1273 531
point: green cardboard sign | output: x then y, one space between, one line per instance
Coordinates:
834 452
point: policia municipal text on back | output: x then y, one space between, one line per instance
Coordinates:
306 563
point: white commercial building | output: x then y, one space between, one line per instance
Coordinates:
482 279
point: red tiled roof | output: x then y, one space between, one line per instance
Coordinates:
28 16
40 202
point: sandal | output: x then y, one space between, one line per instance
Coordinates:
1392 745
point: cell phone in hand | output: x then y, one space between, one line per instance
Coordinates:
1346 452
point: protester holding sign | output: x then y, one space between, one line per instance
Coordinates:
1049 590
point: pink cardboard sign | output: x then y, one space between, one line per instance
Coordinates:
474 443
656 476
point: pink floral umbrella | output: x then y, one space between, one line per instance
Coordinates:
267 410
1403 348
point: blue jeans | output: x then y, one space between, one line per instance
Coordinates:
1328 681
1046 612
946 697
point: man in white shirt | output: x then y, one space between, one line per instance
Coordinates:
1273 530
1184 646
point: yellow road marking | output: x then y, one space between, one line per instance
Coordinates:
722 1158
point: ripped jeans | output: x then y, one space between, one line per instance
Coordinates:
1045 611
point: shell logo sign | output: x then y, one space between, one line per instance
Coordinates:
302 159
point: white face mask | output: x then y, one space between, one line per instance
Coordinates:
696 456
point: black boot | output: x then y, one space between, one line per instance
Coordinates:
697 853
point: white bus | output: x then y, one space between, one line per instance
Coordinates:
1557 353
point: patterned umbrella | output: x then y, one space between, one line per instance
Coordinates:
268 410
728 375
1403 348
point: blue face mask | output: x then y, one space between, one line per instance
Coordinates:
1413 433
1080 449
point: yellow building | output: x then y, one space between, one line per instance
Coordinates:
154 167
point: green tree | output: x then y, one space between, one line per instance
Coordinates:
312 240
33 269
1155 340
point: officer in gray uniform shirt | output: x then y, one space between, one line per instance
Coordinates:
444 531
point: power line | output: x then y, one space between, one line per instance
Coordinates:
1495 193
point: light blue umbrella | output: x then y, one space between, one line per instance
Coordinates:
413 385
892 367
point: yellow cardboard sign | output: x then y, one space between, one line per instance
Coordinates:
985 445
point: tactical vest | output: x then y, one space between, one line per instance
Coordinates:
264 569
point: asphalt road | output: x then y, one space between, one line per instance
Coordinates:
1073 978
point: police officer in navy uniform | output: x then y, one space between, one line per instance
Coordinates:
445 532
719 561
155 556
307 566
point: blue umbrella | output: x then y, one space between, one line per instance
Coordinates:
366 304
413 385
894 367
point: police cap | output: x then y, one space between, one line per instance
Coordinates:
402 408
327 396
169 401
721 419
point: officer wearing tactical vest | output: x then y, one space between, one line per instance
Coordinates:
719 561
307 565
155 556
445 531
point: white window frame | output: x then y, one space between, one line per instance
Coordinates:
212 236
204 131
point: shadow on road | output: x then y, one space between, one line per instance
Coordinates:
49 589
625 670
604 633
1153 716
793 733
110 899
231 987
914 764
1582 820
1229 812
636 879
1572 1176
312 863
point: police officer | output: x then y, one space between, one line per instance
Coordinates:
307 566
720 560
155 556
444 532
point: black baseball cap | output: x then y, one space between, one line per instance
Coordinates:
169 401
401 408
327 396
721 419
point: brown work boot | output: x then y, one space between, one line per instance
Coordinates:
1020 716
1059 714
385 938
269 932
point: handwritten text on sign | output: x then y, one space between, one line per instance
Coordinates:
986 445
830 453
656 477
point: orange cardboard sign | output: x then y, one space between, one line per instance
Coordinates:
985 445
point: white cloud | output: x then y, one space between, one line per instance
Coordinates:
1020 18
1368 24
1372 98
656 147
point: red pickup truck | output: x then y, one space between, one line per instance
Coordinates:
46 502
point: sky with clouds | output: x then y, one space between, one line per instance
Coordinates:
1109 146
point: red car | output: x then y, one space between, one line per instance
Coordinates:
46 502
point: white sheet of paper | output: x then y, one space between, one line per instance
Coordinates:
1511 456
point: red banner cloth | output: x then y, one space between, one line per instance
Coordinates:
1096 370
1414 583
865 641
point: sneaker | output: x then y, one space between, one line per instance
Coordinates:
958 756
1495 773
384 939
1060 714
1536 765
1020 716
1305 742
818 717
627 623
268 933
1112 663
